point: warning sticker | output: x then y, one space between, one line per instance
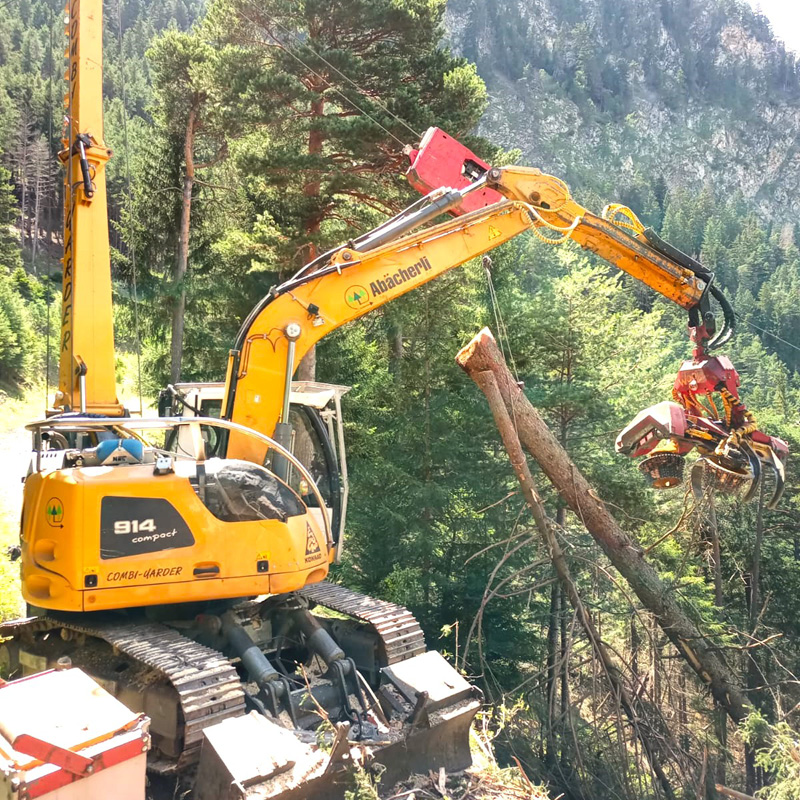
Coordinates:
494 232
312 545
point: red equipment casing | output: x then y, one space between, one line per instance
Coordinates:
442 161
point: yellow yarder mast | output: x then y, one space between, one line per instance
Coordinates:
86 352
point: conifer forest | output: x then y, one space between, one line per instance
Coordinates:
251 136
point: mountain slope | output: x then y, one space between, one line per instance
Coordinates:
611 93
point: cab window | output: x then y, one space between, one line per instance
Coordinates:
307 447
211 408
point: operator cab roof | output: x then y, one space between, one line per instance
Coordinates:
304 393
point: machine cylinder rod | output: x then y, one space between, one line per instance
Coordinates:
287 390
255 662
283 429
317 638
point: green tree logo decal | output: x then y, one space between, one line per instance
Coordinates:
54 511
357 297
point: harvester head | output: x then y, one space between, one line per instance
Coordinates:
710 472
730 461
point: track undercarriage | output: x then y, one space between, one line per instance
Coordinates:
279 700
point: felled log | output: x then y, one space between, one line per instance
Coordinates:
482 355
724 790
547 530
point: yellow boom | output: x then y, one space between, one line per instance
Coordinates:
86 377
353 282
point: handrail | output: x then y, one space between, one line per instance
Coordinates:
156 423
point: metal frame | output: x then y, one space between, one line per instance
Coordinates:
327 414
129 425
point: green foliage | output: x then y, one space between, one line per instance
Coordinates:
363 786
10 257
14 333
24 304
287 167
318 168
21 298
777 753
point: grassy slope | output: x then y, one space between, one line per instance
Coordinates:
15 447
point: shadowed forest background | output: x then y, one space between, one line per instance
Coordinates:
251 135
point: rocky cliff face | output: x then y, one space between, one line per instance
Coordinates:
622 95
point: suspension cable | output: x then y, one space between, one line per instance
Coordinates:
768 332
502 330
297 58
338 71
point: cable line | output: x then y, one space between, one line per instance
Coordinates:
769 333
502 330
341 74
297 58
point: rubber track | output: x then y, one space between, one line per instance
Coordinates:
396 626
208 687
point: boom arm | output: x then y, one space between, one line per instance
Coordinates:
86 376
552 206
353 280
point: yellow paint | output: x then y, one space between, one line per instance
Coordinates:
86 320
535 201
56 561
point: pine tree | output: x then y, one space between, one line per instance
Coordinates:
331 94
10 257
182 66
304 73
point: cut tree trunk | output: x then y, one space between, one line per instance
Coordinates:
755 676
182 256
482 355
716 552
37 203
307 369
550 754
547 529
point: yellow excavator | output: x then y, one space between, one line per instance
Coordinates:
178 559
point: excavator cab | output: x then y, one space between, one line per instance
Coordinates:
317 438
